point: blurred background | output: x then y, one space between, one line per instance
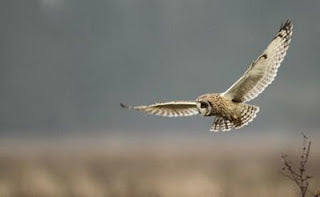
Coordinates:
65 65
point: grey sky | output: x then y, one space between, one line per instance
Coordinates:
66 64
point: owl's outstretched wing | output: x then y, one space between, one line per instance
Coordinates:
168 109
264 69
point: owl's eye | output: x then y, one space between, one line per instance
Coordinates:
203 105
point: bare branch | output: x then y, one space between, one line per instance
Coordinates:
298 175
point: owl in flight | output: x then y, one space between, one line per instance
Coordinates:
230 108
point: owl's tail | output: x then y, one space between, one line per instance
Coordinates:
248 113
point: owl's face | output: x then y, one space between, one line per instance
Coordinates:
204 107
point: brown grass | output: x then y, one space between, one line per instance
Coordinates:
147 171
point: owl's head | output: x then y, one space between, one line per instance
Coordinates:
204 107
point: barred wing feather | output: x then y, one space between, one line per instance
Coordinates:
263 70
168 109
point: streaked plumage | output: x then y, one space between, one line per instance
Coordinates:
229 107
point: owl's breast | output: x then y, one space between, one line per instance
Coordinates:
224 108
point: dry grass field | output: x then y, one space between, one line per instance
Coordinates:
148 171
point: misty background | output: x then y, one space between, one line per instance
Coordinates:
67 64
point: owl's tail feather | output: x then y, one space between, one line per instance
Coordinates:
221 124
248 113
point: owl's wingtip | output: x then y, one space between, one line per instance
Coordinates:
123 105
287 25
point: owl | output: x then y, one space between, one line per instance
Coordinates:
230 108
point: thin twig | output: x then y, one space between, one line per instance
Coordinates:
298 175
